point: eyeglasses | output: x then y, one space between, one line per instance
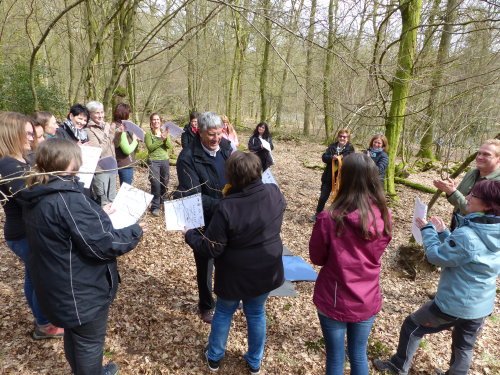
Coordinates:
29 134
342 136
475 196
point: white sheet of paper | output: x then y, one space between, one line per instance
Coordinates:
129 204
268 178
173 129
266 144
419 211
90 158
184 212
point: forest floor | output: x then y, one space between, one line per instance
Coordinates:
154 327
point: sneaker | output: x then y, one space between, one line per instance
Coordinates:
253 371
212 365
155 212
312 219
385 366
207 316
110 369
47 331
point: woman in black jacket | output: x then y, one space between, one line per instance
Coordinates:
73 262
378 152
73 128
244 238
335 151
262 144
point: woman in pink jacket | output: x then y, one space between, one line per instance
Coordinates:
348 240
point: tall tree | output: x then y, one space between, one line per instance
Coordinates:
309 62
327 75
426 144
264 105
410 15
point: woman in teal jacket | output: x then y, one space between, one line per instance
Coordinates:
158 143
469 259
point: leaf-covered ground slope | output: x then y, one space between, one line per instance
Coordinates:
154 327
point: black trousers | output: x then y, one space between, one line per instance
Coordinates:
84 345
159 174
204 270
323 197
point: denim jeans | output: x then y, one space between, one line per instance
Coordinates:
126 175
21 249
84 345
256 325
429 319
334 333
159 174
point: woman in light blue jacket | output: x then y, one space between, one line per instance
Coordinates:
469 259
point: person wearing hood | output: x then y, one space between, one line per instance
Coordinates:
73 265
469 258
347 241
102 134
190 130
73 128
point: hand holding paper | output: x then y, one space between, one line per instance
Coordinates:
129 205
184 212
420 211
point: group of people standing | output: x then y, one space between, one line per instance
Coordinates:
74 270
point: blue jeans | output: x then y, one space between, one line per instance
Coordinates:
334 333
126 175
21 249
256 323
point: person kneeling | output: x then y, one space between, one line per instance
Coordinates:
470 263
73 262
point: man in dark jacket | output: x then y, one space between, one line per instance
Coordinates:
200 169
190 130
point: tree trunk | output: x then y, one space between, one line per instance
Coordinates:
309 61
426 144
327 76
264 105
410 14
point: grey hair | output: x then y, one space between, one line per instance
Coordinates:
209 120
94 106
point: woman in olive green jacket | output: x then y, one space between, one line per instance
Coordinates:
158 143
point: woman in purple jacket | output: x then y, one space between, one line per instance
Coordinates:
348 240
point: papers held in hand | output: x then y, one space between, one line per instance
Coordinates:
421 212
90 158
129 205
268 178
173 129
133 128
184 212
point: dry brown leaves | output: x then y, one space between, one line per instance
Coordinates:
154 327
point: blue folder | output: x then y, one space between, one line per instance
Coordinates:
297 269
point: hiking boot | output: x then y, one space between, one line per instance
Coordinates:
110 369
212 365
207 316
47 331
155 212
385 366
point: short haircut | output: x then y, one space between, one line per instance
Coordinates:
95 106
494 142
385 144
121 112
41 118
194 115
344 131
242 168
79 109
13 133
55 155
488 191
209 120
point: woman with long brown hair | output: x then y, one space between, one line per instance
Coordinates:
16 135
348 240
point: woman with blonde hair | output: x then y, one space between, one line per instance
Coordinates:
16 135
228 132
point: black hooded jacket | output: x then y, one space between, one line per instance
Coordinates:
73 250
